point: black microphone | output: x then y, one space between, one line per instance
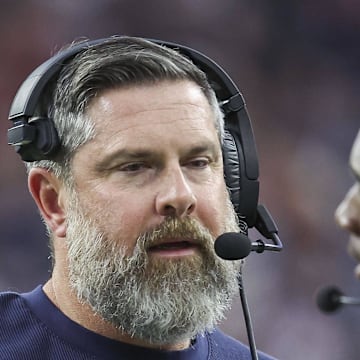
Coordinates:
330 299
232 246
236 246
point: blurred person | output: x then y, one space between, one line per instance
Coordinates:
347 214
133 200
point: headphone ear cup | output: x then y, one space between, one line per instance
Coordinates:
47 139
232 169
43 140
244 191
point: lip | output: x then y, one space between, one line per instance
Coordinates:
354 251
174 248
357 271
354 247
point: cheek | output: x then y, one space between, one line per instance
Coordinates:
121 218
212 209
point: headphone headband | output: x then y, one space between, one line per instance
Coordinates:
36 138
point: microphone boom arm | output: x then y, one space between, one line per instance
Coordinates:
266 226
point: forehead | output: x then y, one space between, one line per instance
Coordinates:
355 155
164 103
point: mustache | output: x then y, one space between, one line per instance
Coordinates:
177 230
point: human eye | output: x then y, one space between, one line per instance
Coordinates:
199 163
132 167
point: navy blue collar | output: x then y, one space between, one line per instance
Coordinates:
90 342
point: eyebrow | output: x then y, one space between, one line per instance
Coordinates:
127 154
203 148
144 154
355 174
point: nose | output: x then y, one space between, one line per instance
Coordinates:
176 197
347 214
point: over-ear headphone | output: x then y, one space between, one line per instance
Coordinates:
35 138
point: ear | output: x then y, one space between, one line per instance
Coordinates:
49 196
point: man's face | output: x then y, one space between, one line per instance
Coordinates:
348 212
156 154
150 200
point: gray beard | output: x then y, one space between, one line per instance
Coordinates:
156 300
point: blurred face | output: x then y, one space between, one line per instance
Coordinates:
149 201
348 212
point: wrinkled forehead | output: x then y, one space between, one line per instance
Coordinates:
355 155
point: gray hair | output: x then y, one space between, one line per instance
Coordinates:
116 62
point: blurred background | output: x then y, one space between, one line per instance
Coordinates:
297 64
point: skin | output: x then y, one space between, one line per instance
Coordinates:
156 154
347 214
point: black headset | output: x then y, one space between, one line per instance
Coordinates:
35 138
